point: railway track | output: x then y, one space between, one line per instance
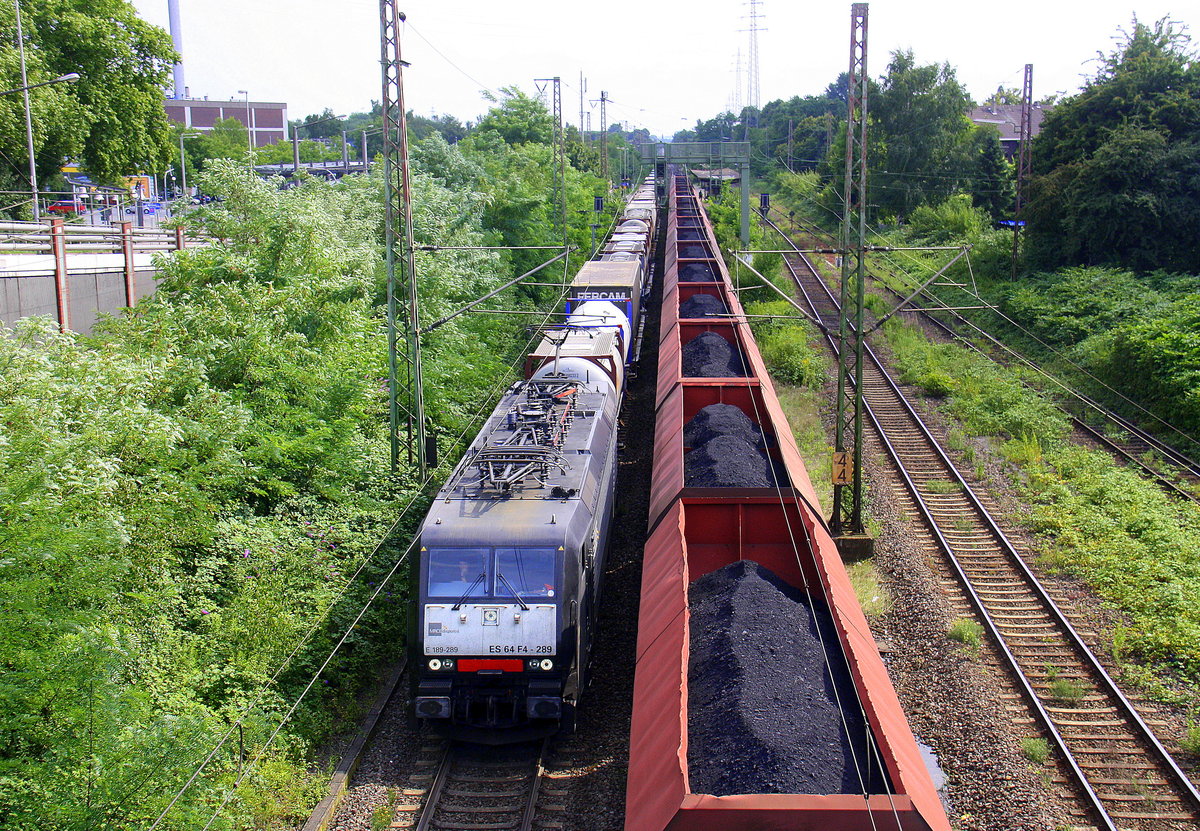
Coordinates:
1118 775
466 787
1173 471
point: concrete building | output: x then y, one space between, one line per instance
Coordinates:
267 121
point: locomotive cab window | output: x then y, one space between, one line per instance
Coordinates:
529 571
452 571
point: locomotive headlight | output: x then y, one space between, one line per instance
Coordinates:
435 664
448 663
546 664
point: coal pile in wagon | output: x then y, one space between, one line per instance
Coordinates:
727 462
721 420
696 273
709 355
763 710
702 305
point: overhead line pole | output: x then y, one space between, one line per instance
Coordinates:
847 521
1023 158
604 136
399 246
559 176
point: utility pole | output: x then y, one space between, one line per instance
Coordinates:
582 90
37 211
399 245
791 142
603 136
1023 159
847 522
559 182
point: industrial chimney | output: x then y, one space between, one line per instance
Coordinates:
177 39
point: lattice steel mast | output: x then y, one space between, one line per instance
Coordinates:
399 245
847 521
752 94
558 194
604 137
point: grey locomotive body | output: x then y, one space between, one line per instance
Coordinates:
512 554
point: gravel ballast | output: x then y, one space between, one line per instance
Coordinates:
702 305
709 355
763 712
727 462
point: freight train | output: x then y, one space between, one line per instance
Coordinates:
512 551
760 700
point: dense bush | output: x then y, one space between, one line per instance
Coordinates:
786 344
195 503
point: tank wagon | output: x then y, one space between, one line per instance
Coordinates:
718 739
512 550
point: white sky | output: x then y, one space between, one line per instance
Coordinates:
664 63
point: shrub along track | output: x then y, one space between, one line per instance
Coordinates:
1111 767
1171 469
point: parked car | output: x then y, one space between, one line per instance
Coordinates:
65 206
148 208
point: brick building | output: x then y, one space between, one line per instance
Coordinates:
266 120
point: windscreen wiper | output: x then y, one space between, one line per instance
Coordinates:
516 594
470 589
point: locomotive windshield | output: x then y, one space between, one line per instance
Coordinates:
455 572
530 571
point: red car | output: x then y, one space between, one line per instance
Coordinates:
65 206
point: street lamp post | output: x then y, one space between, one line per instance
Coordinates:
249 128
24 90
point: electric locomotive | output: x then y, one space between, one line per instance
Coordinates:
512 550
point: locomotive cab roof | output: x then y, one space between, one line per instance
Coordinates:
511 490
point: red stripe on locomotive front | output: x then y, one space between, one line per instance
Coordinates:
504 664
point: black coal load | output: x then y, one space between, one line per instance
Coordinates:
727 462
721 420
709 355
702 305
763 706
696 273
693 251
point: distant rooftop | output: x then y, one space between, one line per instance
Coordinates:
1007 119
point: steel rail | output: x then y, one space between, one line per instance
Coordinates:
1141 732
446 784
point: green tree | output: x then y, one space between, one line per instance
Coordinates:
920 145
991 181
1115 166
112 119
517 118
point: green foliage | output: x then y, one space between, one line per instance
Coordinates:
1036 750
517 119
921 150
967 632
1115 164
1102 522
1190 743
112 118
200 490
987 398
1066 691
953 220
868 589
